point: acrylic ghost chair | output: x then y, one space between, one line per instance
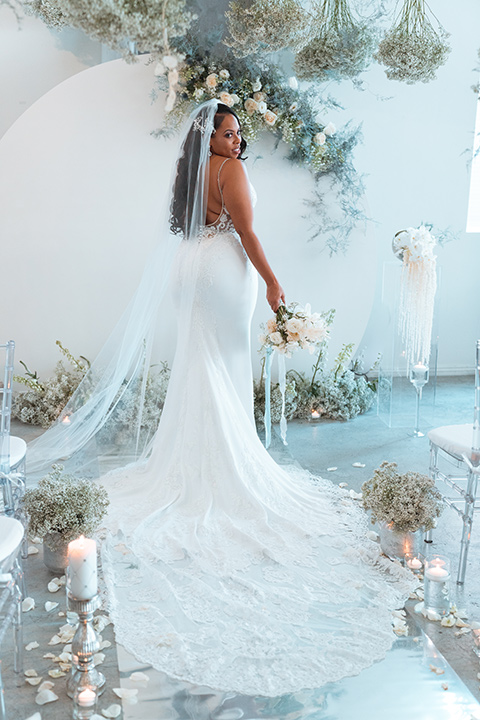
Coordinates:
455 460
11 538
12 449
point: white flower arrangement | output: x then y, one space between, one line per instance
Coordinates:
408 502
43 401
414 244
294 328
65 506
413 49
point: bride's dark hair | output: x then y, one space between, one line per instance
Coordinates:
183 197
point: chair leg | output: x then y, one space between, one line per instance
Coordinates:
467 525
20 578
18 639
433 461
3 712
428 536
8 504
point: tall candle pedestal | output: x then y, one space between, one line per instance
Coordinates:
418 376
85 644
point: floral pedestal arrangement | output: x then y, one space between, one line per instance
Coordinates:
404 506
60 509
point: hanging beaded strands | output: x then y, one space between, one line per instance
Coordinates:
414 247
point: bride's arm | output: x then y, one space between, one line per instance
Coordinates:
236 195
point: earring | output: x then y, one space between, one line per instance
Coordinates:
210 152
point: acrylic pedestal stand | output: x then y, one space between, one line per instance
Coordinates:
404 401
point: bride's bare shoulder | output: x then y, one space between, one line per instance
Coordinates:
234 172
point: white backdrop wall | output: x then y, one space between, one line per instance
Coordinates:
69 274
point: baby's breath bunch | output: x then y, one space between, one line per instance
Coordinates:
64 507
413 50
408 502
127 26
44 400
265 26
342 46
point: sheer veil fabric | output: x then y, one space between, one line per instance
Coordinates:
115 384
223 568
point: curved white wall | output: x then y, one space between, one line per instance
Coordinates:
82 183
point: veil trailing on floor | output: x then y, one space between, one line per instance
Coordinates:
113 414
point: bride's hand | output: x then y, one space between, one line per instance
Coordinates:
275 296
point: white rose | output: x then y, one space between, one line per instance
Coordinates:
270 118
159 69
258 96
211 81
320 138
224 74
293 82
294 326
262 107
235 99
272 325
330 129
276 338
250 106
257 85
170 61
199 93
226 99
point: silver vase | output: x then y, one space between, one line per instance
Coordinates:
55 560
395 543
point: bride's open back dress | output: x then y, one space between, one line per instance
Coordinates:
223 568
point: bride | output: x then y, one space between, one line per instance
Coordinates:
223 568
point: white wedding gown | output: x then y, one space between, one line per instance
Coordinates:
228 570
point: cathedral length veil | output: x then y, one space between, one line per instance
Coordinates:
115 385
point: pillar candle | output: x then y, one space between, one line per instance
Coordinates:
82 568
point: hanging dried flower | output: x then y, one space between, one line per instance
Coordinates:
127 26
265 26
342 46
413 50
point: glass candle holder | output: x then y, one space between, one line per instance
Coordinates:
414 561
314 416
84 702
437 584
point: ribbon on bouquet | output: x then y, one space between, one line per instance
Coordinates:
282 381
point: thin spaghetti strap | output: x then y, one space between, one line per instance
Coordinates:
218 179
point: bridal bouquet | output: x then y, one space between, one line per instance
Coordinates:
294 328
